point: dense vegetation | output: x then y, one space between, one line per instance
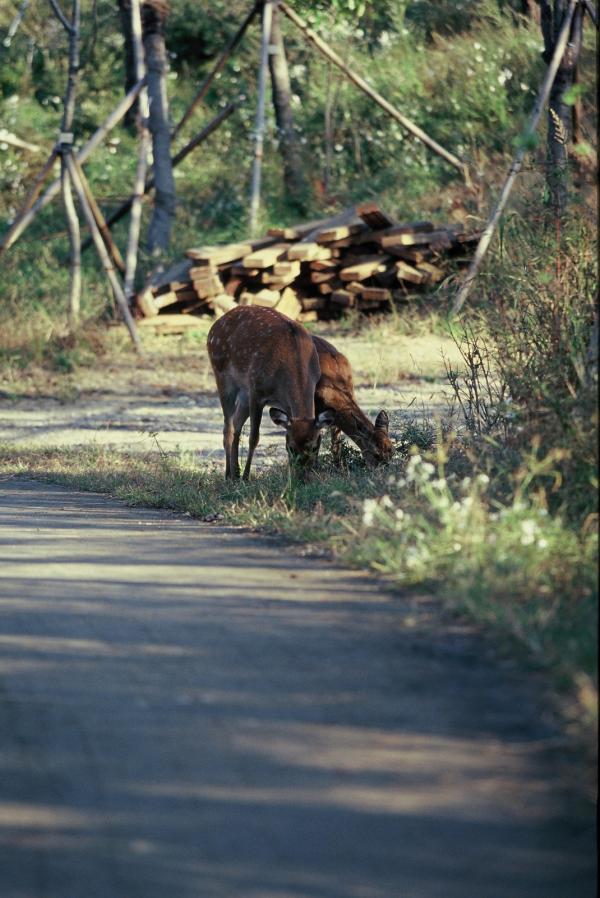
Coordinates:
501 510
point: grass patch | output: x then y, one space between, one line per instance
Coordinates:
509 564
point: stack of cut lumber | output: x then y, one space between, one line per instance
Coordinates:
362 258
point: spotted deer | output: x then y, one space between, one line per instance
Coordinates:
260 357
335 393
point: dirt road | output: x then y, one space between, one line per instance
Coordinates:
191 711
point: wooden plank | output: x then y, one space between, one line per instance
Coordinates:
286 267
354 287
185 295
410 253
289 304
419 238
323 265
433 273
341 232
169 323
278 281
221 304
313 303
208 287
242 271
266 257
365 268
375 294
146 303
328 287
268 299
406 272
321 277
343 298
374 216
308 252
414 227
228 252
217 255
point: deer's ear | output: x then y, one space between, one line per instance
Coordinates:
382 420
325 419
279 417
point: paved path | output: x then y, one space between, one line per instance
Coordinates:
188 711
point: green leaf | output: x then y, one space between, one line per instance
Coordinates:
583 149
571 95
526 141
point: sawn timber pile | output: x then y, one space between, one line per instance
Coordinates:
362 258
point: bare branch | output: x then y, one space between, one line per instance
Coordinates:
61 16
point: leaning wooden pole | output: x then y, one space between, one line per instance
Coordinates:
356 79
135 220
23 221
30 199
111 246
117 289
203 90
543 94
259 128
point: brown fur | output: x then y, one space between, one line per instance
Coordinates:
335 392
260 357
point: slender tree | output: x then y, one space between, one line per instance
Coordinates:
129 58
294 181
560 107
154 15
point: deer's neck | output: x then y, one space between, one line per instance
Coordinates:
355 424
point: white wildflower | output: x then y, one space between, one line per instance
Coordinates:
542 543
386 502
369 507
528 532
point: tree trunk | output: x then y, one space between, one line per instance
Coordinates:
153 21
294 181
560 113
130 67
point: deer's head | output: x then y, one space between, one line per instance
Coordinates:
302 437
381 448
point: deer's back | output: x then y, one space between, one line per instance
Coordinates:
264 351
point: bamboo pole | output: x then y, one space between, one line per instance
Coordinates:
135 220
356 79
111 246
29 200
259 129
66 148
75 242
215 70
544 92
103 254
118 214
23 221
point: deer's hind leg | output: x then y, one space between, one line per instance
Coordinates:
231 435
256 412
234 403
